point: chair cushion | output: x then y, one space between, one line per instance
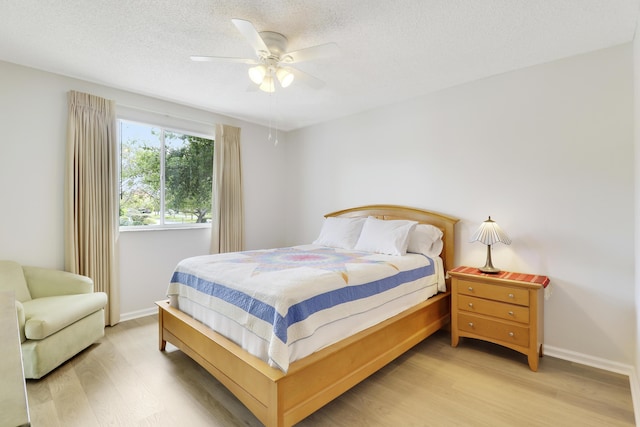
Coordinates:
12 279
46 316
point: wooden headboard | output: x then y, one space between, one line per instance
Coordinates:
443 222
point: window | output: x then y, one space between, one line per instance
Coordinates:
165 176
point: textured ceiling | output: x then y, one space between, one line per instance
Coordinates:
389 50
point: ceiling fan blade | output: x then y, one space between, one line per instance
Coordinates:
305 78
250 33
314 52
222 58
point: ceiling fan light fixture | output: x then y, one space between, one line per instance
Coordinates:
268 85
284 77
257 74
273 60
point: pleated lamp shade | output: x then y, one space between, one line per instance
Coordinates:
490 233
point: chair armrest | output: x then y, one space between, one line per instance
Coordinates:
21 320
44 282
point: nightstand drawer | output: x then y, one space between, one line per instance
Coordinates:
502 310
495 292
495 329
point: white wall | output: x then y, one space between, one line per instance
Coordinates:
33 106
547 151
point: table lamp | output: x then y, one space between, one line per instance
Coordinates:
490 233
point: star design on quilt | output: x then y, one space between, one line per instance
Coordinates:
290 258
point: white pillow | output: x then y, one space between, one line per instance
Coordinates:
425 239
340 232
385 236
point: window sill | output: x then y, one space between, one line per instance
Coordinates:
162 228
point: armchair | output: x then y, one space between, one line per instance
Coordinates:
59 315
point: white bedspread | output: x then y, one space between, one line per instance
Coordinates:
283 304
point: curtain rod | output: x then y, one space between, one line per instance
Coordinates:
160 113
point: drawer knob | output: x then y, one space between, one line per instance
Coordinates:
510 313
511 334
470 288
471 324
471 304
511 295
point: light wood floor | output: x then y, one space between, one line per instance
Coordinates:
124 380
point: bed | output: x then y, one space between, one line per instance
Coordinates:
278 398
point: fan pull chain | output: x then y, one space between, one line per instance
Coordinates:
273 101
275 111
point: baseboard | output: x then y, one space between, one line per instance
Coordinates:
635 395
138 313
583 359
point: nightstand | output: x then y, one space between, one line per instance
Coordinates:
504 308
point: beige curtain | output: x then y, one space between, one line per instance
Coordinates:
227 219
91 196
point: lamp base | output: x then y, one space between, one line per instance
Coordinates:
489 269
488 266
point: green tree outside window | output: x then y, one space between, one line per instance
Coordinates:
165 176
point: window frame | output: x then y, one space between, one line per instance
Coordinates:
163 128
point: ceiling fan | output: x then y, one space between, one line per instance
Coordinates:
273 62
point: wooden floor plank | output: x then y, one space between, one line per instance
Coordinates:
123 380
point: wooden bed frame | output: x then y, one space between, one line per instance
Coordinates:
278 399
